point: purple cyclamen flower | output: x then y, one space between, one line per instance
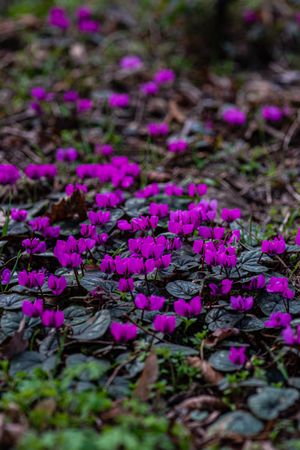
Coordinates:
297 239
34 309
57 284
9 174
290 337
271 113
37 171
31 279
240 303
58 18
126 285
99 217
131 62
150 88
280 285
230 215
118 100
39 93
5 276
234 116
257 282
177 146
83 105
18 215
196 189
188 309
71 96
276 246
71 188
83 12
250 16
237 355
104 150
164 76
34 246
278 319
88 26
158 129
123 332
53 319
66 154
164 323
224 289
151 303
158 209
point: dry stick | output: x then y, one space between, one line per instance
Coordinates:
118 368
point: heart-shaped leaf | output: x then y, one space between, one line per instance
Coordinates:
183 289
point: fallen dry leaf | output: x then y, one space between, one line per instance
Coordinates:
209 374
148 377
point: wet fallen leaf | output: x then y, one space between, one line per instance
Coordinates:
73 207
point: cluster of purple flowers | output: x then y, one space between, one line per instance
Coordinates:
58 18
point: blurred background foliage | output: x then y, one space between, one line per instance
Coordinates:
206 30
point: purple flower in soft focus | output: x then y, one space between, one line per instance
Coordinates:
83 12
18 215
158 129
118 100
34 309
280 285
71 188
198 246
240 303
250 16
126 285
257 282
290 337
99 217
151 303
275 247
71 96
158 209
58 18
234 116
123 332
104 150
33 246
230 215
69 154
164 76
37 171
237 355
39 93
53 319
188 309
5 276
297 17
278 319
150 88
83 105
224 289
88 26
297 238
177 146
271 113
9 174
131 62
57 284
164 323
31 279
196 189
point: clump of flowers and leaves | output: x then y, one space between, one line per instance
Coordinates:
137 308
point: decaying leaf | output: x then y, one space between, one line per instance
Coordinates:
148 377
209 374
73 207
